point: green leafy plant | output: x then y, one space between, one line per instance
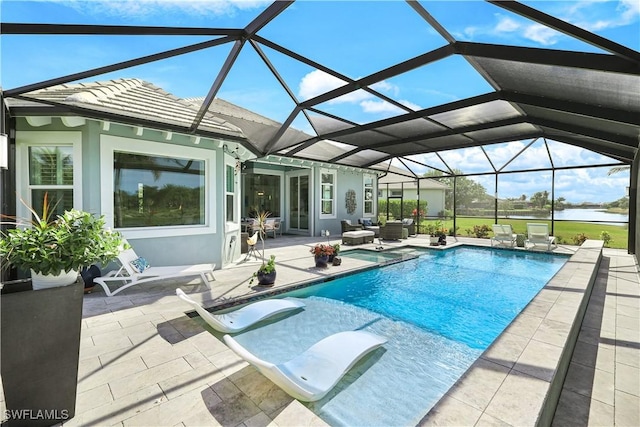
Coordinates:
265 268
479 231
69 242
268 266
579 239
336 248
261 221
606 237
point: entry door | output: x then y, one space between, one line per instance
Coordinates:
298 203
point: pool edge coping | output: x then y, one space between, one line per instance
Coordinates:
583 264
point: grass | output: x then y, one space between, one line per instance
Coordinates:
563 230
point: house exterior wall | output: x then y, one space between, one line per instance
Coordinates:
345 181
159 245
218 241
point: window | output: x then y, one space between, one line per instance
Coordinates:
153 189
230 189
368 195
395 193
51 173
50 162
327 193
261 193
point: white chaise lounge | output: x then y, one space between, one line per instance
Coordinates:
503 234
538 234
134 271
244 317
312 374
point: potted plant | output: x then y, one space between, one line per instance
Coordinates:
336 250
321 253
54 250
266 274
432 230
40 329
442 235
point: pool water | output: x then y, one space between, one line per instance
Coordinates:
383 256
439 312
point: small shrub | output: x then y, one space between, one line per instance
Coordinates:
606 237
579 239
480 231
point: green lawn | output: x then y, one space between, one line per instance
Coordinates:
564 230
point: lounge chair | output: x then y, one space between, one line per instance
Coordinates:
244 317
134 271
346 226
538 234
313 373
503 234
392 230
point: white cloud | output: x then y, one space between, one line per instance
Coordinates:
148 8
626 12
318 82
413 106
506 25
541 34
371 106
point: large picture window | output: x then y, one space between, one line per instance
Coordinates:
328 193
156 191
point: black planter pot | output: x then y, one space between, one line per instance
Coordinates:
40 350
322 261
266 279
442 240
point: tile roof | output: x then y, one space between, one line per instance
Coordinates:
131 98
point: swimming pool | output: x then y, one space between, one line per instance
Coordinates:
384 256
439 312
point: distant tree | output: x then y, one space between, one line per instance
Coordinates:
540 199
560 203
467 189
523 197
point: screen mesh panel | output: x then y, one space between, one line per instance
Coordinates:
605 89
477 114
411 128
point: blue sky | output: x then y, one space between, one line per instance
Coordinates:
356 38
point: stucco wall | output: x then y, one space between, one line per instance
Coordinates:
345 181
205 247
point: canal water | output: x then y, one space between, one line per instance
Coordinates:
585 215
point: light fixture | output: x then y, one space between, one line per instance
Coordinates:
4 151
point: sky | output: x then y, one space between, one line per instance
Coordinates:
356 38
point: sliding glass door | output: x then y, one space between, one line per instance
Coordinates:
298 202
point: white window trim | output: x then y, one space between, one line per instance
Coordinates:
110 143
26 139
333 214
373 196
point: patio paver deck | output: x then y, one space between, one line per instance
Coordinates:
144 362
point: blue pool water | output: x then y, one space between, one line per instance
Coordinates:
439 312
